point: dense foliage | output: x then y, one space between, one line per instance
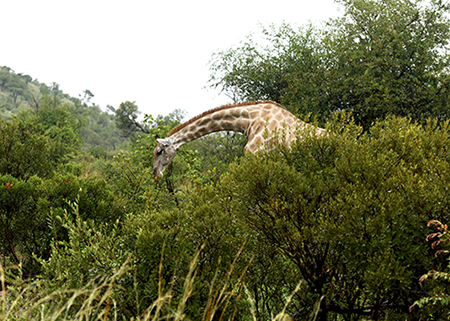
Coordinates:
340 221
349 210
25 151
346 226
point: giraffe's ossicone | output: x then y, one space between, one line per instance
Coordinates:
261 122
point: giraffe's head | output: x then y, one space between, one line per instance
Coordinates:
163 155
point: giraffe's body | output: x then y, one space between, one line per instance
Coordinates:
258 121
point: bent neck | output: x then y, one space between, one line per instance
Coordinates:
235 119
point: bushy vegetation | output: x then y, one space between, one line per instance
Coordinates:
350 211
338 222
347 226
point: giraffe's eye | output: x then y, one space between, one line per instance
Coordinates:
159 152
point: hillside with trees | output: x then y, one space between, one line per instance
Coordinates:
21 94
351 225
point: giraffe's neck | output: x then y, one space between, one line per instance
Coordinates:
254 120
235 119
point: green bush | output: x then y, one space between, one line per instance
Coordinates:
335 226
28 209
24 150
157 251
162 243
349 210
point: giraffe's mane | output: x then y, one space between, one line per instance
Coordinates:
228 106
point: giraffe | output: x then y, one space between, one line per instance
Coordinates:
259 121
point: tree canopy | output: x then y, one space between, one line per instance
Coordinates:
380 58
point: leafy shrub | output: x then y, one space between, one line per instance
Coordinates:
343 215
28 209
24 150
348 209
162 270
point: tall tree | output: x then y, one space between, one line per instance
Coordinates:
126 119
382 57
257 72
390 57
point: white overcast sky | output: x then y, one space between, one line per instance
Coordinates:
153 52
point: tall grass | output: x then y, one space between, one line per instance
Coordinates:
96 300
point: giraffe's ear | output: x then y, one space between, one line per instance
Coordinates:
164 142
156 136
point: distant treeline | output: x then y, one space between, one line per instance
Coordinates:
21 93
